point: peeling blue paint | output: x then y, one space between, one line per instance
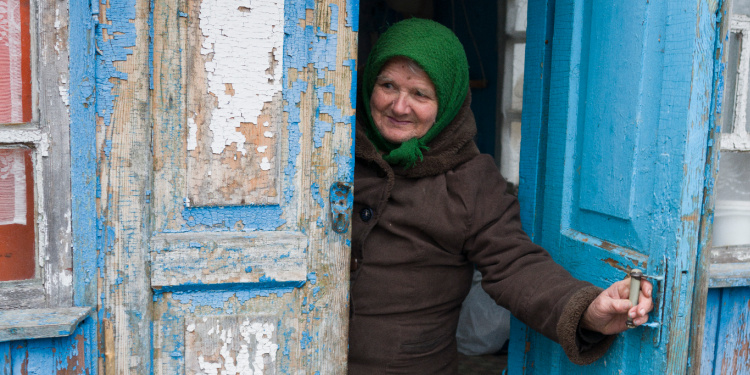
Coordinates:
296 56
352 15
107 147
352 64
320 127
120 39
315 191
345 166
251 218
187 294
84 179
324 53
50 355
312 278
334 17
306 340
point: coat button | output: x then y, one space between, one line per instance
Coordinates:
354 265
365 214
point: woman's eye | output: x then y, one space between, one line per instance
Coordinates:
422 94
386 85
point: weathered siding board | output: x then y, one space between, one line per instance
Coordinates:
726 339
124 161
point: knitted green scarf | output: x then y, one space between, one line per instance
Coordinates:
438 51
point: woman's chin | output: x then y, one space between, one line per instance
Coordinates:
398 139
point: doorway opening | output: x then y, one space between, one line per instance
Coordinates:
493 33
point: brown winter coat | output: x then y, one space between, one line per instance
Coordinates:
416 234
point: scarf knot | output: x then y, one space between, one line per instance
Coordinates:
407 154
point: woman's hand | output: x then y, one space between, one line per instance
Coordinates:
609 312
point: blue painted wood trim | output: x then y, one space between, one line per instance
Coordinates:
83 152
83 169
540 25
40 323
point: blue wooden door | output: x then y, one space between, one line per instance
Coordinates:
617 103
226 169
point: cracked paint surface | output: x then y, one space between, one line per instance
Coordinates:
231 345
242 43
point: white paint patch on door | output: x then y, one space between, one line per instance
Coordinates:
231 345
243 43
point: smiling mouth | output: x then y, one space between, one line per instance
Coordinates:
398 122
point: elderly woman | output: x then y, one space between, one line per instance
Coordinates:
429 207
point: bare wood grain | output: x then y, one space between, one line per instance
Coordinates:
125 176
329 253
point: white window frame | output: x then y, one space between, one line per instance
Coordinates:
739 139
48 136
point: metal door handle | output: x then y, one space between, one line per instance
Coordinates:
635 291
657 296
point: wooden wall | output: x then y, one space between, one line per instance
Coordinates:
726 339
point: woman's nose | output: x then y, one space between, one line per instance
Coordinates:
401 104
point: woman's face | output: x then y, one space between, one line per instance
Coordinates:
403 103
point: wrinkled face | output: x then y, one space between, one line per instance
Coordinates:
404 102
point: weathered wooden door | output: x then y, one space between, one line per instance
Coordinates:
248 187
617 105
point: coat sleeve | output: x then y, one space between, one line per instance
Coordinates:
520 275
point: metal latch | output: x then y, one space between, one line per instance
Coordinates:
341 198
636 276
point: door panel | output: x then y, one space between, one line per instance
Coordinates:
621 160
253 125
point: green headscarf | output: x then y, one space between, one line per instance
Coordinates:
438 51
